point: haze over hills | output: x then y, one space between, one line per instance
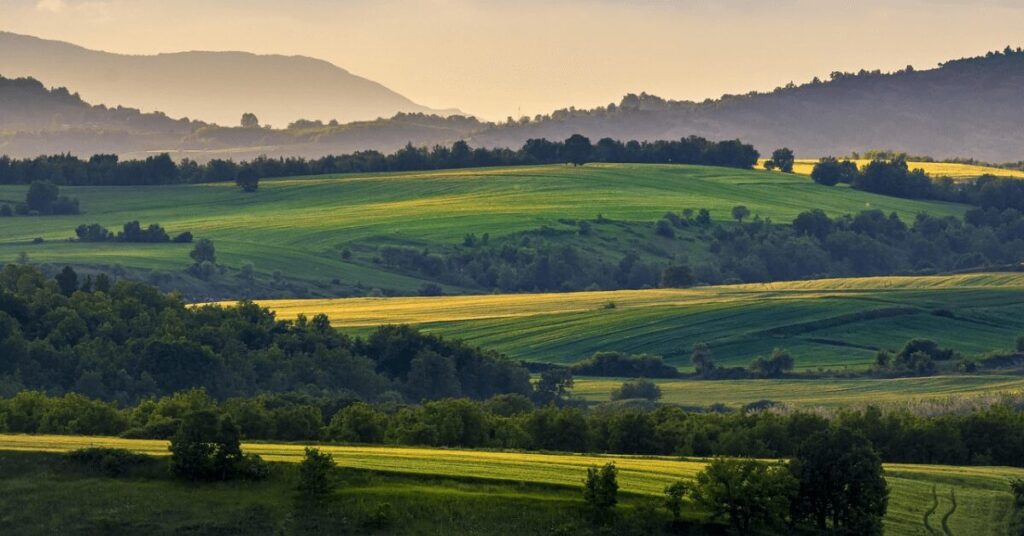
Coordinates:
965 108
211 86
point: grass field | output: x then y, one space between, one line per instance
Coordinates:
299 226
824 323
982 492
934 169
813 393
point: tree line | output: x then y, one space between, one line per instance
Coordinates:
893 177
992 435
108 169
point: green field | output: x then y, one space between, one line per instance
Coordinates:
830 323
982 492
829 393
299 226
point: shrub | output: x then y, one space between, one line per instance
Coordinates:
645 389
315 475
110 462
600 493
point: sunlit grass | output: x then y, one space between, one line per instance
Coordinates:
982 492
934 169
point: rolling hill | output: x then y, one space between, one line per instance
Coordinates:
301 227
212 86
836 324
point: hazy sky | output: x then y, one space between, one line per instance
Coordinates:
496 58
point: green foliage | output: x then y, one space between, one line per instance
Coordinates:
204 251
842 488
777 364
109 461
641 388
207 447
315 482
358 423
782 160
601 492
739 212
755 496
674 495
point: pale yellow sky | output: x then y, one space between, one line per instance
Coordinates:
495 58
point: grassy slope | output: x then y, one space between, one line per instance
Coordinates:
982 492
935 169
300 225
738 321
813 393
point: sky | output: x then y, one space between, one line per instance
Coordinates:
510 58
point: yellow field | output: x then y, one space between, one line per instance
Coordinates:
934 169
982 492
362 312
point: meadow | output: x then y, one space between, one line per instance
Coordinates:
300 226
982 493
817 393
832 323
934 169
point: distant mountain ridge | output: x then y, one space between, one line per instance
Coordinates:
211 86
971 107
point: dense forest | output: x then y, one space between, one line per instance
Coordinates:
125 341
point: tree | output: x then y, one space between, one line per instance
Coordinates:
830 171
67 281
358 423
554 385
664 228
755 496
577 150
315 483
782 160
678 276
841 483
249 120
702 359
776 365
703 217
247 180
641 388
739 212
207 447
432 376
204 251
600 492
41 196
674 494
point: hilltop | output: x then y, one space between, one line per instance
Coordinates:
964 108
968 107
213 86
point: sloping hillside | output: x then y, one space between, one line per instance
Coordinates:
213 86
970 107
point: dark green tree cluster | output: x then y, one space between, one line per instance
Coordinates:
132 232
618 364
992 436
128 341
43 198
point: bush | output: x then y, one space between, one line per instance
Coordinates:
110 462
207 447
645 389
600 493
315 483
664 228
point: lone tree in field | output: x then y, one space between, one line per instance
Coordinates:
739 212
577 150
600 493
674 494
249 120
782 160
247 180
204 252
702 359
315 483
842 488
207 447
